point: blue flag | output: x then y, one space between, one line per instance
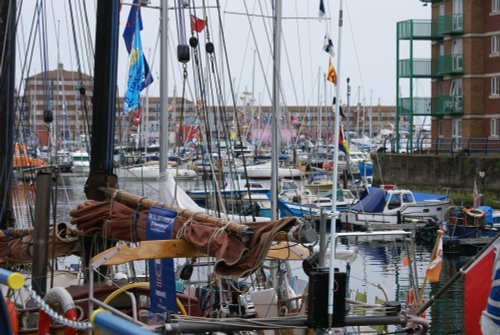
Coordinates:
136 74
322 12
134 18
328 45
162 292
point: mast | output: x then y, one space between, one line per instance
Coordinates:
164 88
104 104
275 116
7 91
335 175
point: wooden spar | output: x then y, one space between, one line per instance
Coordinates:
130 199
181 249
147 250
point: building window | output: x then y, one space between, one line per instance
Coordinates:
494 44
440 128
495 6
494 86
494 127
456 134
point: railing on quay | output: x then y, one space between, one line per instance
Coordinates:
477 146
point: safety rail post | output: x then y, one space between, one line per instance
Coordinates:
486 147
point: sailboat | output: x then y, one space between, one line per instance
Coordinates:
160 232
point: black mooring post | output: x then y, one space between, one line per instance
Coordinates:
41 232
104 100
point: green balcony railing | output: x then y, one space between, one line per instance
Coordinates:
426 106
450 64
418 30
449 105
417 68
450 24
417 106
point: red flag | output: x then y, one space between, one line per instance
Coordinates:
197 24
477 286
137 116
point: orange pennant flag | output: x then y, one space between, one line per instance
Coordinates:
433 272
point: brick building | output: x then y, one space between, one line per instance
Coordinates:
56 104
464 69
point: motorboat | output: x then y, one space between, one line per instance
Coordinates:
390 205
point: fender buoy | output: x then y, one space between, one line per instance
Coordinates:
57 295
13 319
411 301
474 212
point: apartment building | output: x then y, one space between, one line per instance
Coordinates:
464 68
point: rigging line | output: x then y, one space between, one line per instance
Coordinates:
244 60
68 37
31 41
224 120
215 182
291 74
258 52
83 40
224 47
43 52
89 32
306 113
270 16
310 47
86 119
217 114
205 137
6 173
6 38
280 86
280 81
355 48
172 47
300 54
20 38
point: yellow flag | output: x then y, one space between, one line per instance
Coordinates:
332 75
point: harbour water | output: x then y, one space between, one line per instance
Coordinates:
377 268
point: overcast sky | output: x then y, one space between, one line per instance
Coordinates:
368 49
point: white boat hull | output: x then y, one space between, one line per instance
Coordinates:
153 172
264 172
419 211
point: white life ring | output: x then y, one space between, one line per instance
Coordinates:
475 212
57 295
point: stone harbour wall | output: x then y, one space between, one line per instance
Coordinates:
437 171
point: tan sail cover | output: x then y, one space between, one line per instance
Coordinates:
235 257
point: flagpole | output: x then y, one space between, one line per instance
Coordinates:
276 110
164 88
433 256
331 282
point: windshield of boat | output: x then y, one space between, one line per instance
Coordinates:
394 201
408 198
